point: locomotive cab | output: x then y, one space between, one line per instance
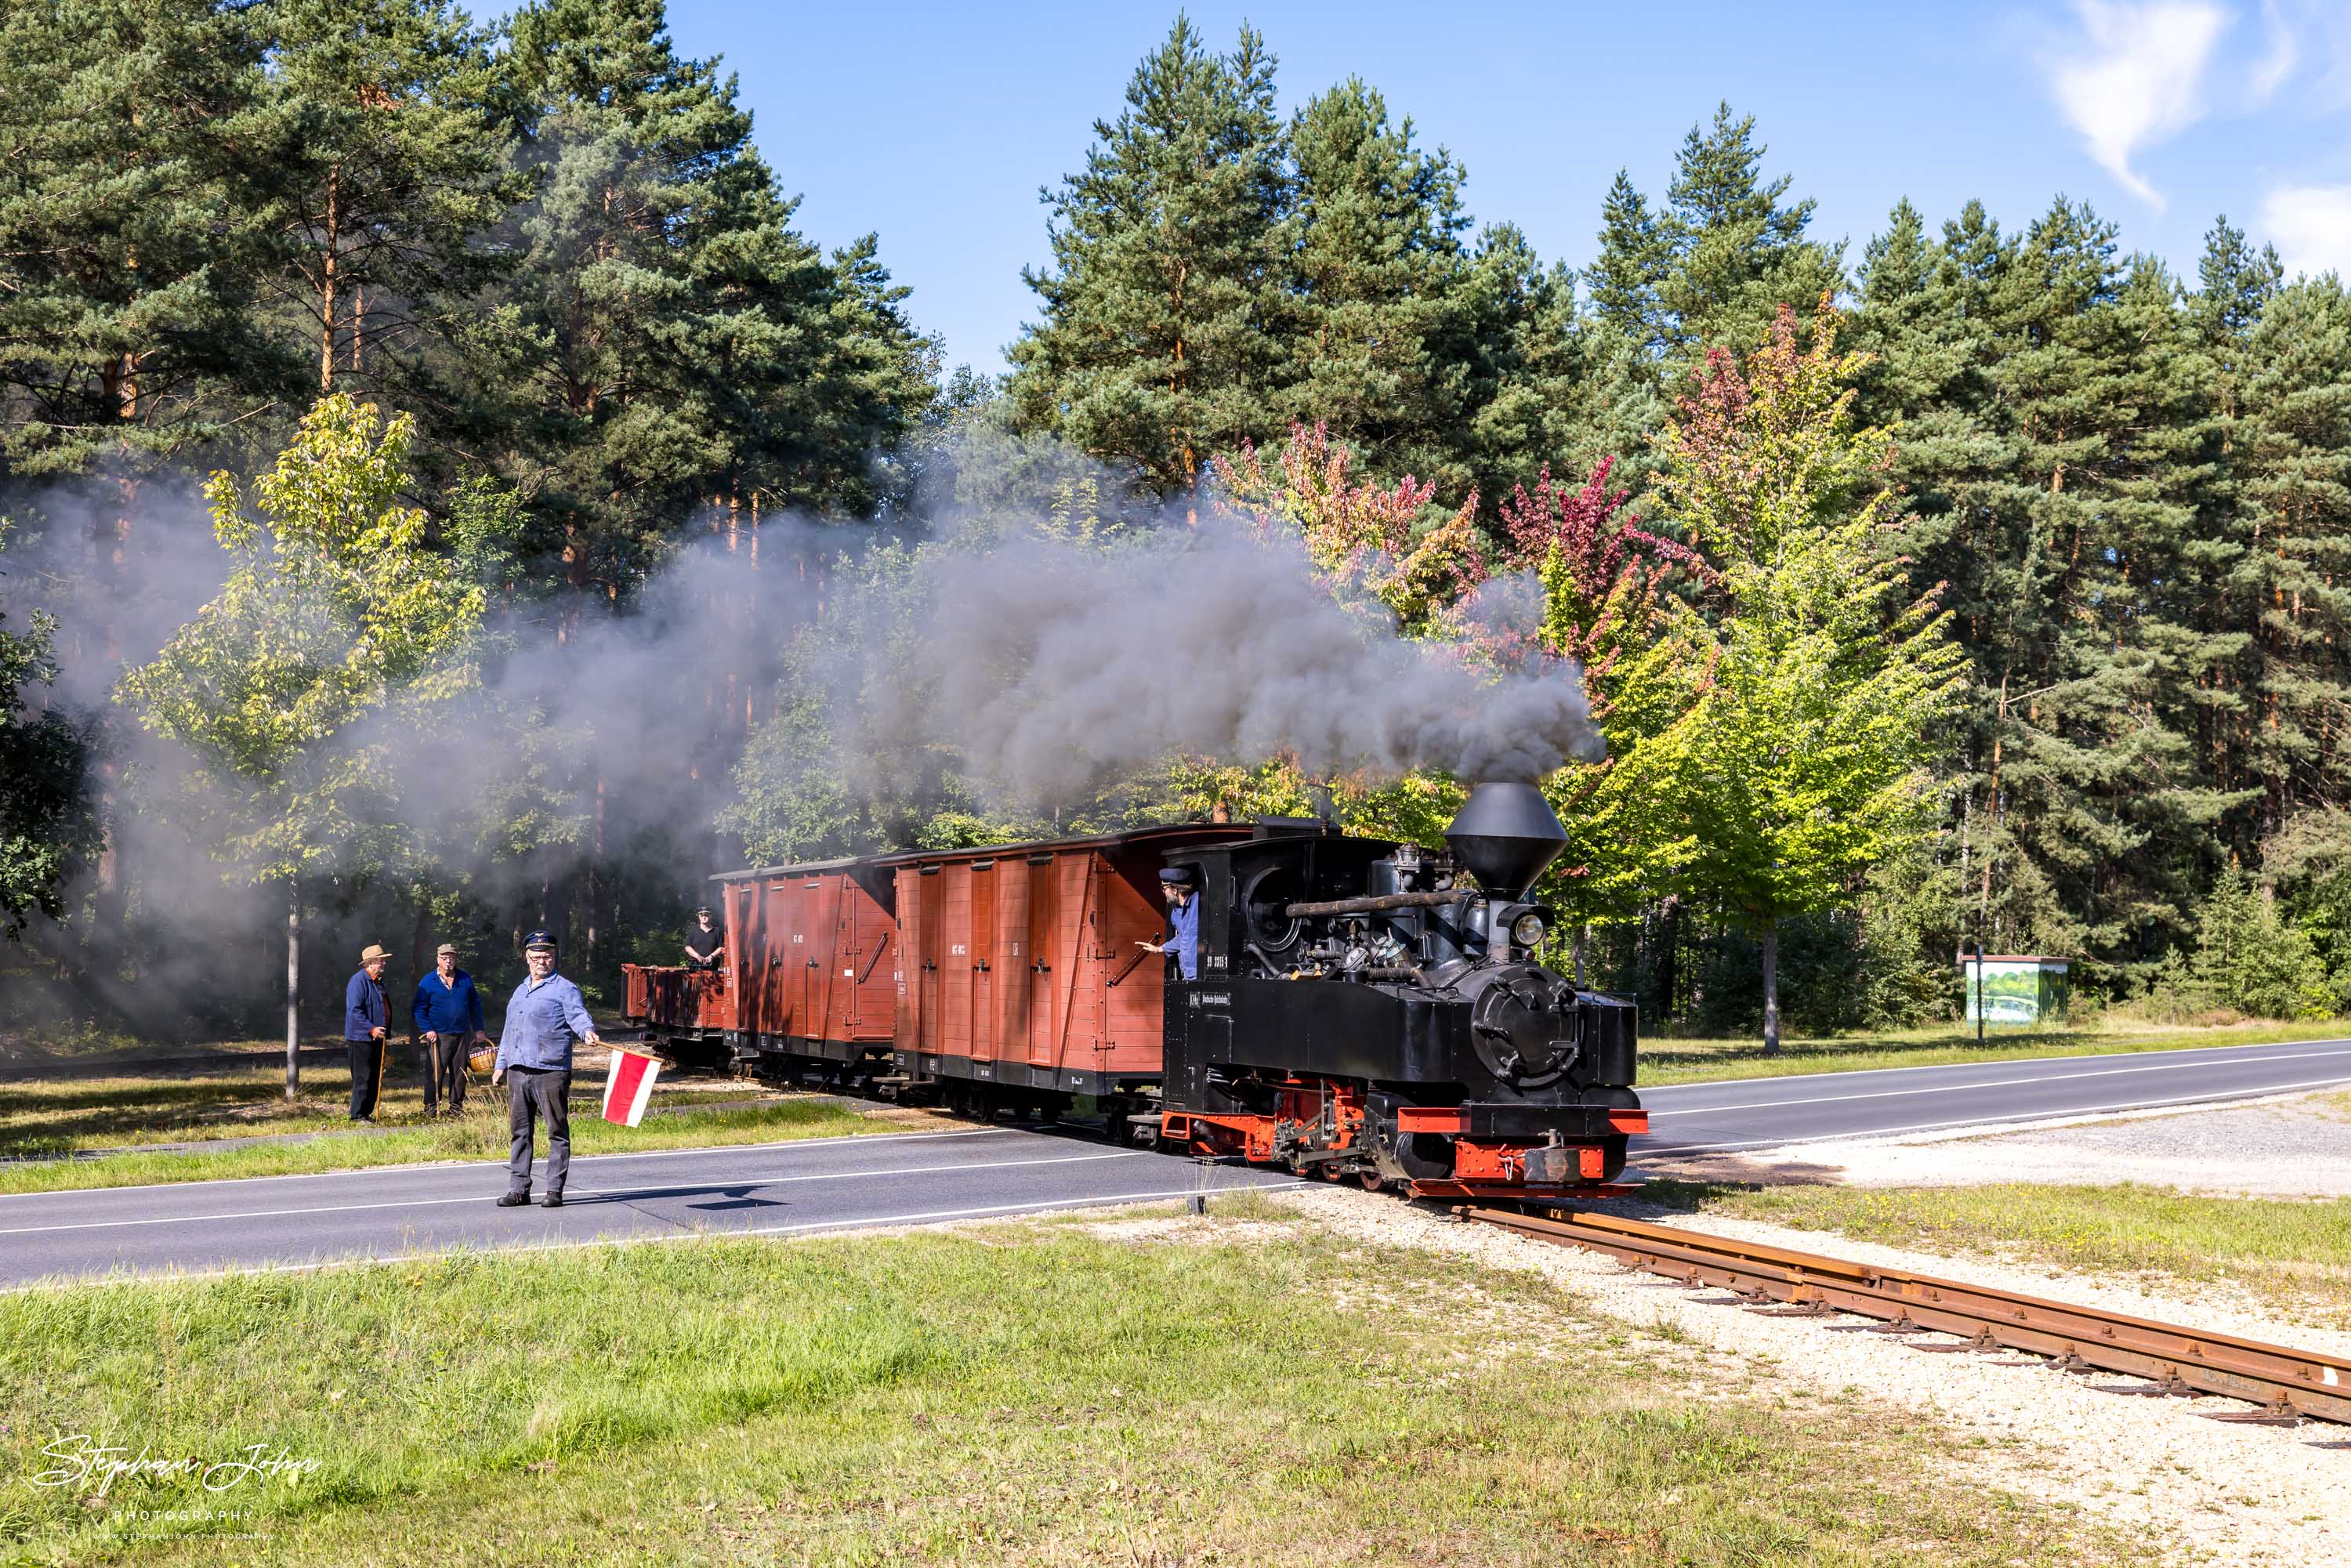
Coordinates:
1367 1009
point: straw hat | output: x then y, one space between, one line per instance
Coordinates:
373 951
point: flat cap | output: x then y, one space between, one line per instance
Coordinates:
446 950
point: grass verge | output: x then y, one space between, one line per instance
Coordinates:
1669 1061
1242 1389
64 1116
479 1135
2296 1254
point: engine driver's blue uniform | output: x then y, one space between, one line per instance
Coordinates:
1184 936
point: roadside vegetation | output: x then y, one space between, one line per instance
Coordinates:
1700 1060
2293 1253
43 1126
1241 1388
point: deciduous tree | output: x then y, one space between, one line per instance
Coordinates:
335 610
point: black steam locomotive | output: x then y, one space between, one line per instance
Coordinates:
1358 1014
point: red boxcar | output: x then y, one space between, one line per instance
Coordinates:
1022 980
817 950
807 971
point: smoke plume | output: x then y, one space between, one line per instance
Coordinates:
1052 666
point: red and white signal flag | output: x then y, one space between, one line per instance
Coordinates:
631 1085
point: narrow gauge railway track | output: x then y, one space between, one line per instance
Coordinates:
2288 1384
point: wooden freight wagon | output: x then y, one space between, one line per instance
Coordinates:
1019 982
815 950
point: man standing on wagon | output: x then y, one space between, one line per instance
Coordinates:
448 1013
704 941
544 1018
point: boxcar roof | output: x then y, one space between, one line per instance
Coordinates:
1166 832
1170 832
798 868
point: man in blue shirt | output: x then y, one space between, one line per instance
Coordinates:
448 1013
544 1016
1183 935
366 1017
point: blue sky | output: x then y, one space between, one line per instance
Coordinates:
935 124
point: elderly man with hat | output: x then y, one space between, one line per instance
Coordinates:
544 1018
1183 935
366 1017
448 1013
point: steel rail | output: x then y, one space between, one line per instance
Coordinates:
2288 1384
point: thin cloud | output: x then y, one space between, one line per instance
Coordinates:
2310 226
2272 70
2136 77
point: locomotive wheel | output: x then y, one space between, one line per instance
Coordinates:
1373 1181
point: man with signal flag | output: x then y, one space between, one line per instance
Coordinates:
545 1015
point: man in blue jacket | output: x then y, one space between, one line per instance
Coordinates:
544 1016
366 1017
448 1013
1182 937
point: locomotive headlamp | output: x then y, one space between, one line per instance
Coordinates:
1527 930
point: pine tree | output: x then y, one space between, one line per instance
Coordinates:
1737 252
2289 461
391 164
134 230
1165 312
1624 280
1380 344
2091 803
664 339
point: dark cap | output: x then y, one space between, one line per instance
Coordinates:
702 911
537 939
1176 877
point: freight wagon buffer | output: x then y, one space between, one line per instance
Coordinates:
1358 1014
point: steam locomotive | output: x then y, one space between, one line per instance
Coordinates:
1359 1010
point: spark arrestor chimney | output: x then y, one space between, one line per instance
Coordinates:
1505 834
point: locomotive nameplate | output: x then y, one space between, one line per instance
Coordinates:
1212 999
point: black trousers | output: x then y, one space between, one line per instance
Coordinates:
444 1069
366 1075
533 1095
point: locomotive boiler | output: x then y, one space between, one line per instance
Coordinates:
1363 1010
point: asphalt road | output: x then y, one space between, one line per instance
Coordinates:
817 1183
831 1184
1765 1113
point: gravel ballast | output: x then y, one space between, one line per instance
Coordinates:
2218 1492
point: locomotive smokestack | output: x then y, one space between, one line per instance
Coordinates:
1507 834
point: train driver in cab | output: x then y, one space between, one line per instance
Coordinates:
704 941
1183 935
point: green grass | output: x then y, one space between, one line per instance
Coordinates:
51 1118
63 1116
2296 1254
1032 1394
1669 1061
